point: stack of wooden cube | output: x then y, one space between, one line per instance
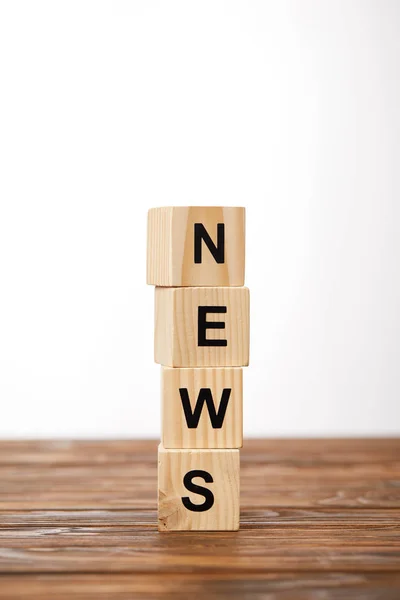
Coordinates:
195 258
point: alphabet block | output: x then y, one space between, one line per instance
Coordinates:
202 408
202 327
198 490
196 246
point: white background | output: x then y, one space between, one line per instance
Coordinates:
291 109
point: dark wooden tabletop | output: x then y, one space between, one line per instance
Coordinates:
320 519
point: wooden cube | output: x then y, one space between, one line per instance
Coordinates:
202 408
196 246
202 326
198 490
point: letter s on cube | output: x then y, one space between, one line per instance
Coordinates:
198 490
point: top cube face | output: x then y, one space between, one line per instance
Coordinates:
196 246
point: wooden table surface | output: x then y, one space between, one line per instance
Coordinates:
320 519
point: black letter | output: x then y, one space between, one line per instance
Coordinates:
198 489
205 395
203 324
218 251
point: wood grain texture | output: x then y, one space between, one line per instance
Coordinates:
175 430
319 519
232 586
176 339
170 246
222 465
